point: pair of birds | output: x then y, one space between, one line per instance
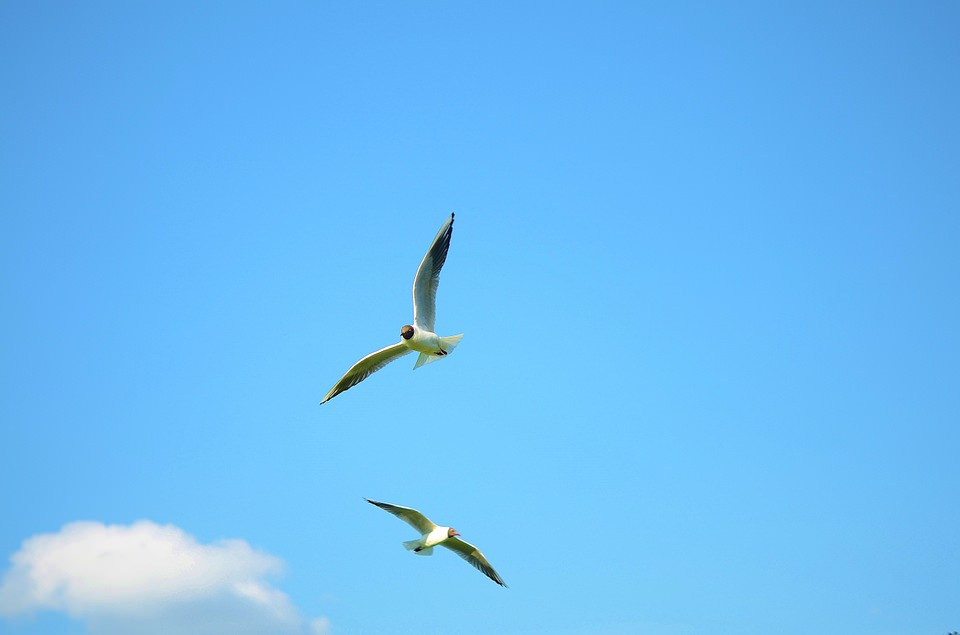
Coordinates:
420 337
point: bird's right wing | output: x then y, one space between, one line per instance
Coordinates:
428 278
366 367
410 516
472 555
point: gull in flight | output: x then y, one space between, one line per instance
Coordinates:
416 337
434 535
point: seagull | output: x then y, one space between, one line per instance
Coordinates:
434 535
416 337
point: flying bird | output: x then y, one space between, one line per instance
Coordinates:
418 336
434 535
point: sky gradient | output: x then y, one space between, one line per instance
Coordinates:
705 260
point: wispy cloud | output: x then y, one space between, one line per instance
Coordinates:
148 578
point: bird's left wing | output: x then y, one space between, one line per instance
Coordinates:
428 278
410 516
366 367
472 555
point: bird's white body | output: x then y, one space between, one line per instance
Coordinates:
430 345
423 546
424 342
435 537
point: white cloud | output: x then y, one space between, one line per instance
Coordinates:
148 578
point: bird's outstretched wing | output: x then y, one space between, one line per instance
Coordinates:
472 555
410 516
366 367
428 278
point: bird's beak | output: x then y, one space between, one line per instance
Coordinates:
456 533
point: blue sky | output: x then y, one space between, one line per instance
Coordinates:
705 261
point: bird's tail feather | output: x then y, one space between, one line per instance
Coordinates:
447 343
450 342
411 545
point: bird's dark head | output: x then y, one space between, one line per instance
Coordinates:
452 532
406 332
